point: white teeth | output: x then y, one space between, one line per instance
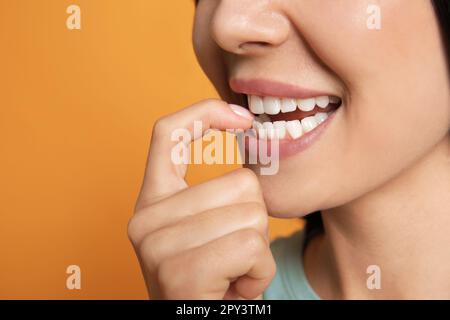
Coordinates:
280 129
271 105
294 128
256 104
323 101
306 104
321 117
270 131
262 133
265 106
309 123
257 125
288 105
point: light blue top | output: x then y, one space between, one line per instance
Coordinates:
290 282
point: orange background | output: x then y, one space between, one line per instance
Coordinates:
76 111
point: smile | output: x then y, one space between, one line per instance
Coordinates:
296 117
290 118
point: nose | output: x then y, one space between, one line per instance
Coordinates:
248 26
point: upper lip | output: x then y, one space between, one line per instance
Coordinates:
269 88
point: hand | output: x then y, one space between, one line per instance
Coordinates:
209 241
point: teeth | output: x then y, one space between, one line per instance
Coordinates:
321 117
270 131
309 123
294 128
257 125
280 128
271 105
288 105
256 104
306 104
265 106
262 133
323 101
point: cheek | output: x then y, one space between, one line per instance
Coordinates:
397 83
338 36
399 97
341 38
397 108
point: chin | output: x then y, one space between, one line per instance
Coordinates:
283 199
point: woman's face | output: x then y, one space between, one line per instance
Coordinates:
392 81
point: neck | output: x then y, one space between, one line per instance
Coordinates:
403 228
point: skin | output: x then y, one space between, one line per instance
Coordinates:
380 173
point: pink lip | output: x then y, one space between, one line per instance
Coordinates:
261 87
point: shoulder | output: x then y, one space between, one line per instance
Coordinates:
290 282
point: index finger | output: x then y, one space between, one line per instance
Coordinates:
163 177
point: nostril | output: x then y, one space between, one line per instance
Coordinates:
258 43
254 47
254 44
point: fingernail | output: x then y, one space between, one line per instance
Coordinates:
241 111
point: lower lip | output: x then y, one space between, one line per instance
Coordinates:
289 147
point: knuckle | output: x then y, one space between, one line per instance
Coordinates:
161 127
247 179
209 101
134 230
253 241
149 251
139 226
257 213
